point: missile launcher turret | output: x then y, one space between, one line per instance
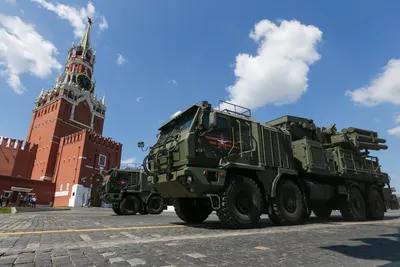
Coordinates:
325 150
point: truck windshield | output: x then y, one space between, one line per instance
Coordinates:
177 126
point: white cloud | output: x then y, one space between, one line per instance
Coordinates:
103 23
176 114
11 1
139 98
23 50
120 59
384 88
395 131
128 161
75 15
278 73
397 118
174 82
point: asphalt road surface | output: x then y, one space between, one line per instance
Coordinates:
97 237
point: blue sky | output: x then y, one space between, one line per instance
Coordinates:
180 52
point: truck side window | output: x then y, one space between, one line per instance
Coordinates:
222 123
206 120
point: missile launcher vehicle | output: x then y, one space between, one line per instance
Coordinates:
130 193
206 159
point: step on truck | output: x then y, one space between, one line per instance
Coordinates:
130 193
209 159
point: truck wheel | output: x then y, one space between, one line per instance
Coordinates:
354 208
191 210
130 205
376 205
155 205
115 208
288 206
241 205
322 212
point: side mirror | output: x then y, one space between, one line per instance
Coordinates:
212 123
140 144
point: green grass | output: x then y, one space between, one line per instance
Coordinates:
5 210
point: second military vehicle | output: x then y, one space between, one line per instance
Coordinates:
223 160
130 193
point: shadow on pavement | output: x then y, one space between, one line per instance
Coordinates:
266 223
385 247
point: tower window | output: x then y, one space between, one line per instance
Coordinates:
102 160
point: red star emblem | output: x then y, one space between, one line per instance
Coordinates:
222 142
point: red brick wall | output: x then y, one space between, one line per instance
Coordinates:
98 125
95 146
44 190
83 114
78 157
42 133
68 165
50 123
14 161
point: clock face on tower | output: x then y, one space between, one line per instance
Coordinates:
84 82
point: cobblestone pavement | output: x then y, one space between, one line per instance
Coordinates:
97 237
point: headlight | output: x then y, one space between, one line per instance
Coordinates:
189 179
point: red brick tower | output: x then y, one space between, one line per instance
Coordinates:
67 108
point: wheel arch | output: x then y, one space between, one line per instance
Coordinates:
285 175
252 174
363 188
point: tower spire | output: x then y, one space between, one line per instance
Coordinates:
85 41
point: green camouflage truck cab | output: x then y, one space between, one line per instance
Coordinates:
130 192
223 160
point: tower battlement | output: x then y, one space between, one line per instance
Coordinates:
16 144
16 158
103 141
72 138
92 137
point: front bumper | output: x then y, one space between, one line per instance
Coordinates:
179 184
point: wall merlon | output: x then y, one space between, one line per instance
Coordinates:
19 144
72 138
15 144
102 141
4 142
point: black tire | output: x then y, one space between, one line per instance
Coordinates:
354 209
115 208
155 204
130 205
241 205
375 206
191 210
284 213
322 212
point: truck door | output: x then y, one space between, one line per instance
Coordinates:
214 144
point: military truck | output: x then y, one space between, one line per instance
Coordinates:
130 193
221 159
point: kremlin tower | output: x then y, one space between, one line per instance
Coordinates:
66 132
